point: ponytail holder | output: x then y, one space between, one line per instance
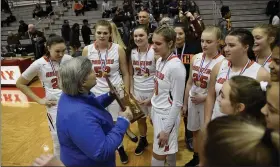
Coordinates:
263 85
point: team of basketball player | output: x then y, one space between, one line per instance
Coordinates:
155 75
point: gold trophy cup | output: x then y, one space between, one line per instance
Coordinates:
127 100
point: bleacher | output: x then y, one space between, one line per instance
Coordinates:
245 14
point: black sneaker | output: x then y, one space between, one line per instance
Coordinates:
189 144
123 155
193 162
143 143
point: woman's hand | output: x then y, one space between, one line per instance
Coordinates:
47 160
162 139
189 15
146 102
197 99
127 114
184 111
48 103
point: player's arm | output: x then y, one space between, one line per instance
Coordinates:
24 80
131 73
85 51
188 86
263 75
211 95
177 76
124 68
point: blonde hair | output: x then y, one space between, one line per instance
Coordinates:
269 30
214 29
116 37
240 141
168 34
165 21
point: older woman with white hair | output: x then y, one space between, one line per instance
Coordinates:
86 131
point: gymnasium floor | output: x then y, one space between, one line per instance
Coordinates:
25 132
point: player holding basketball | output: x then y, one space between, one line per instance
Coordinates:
109 60
46 69
239 61
142 71
167 100
197 85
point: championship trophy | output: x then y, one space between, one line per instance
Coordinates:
127 100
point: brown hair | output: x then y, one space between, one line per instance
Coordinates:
245 37
240 141
269 30
104 23
52 40
248 91
168 34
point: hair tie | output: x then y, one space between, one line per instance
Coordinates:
263 85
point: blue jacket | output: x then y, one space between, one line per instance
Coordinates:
86 131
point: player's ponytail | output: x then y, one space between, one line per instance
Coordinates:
243 142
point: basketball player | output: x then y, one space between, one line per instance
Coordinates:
142 71
264 36
197 85
239 55
186 47
116 38
109 60
168 97
46 69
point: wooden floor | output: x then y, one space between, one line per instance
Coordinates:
25 136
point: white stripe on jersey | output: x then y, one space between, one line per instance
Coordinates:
141 82
112 67
43 69
205 77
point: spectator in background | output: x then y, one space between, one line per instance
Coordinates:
106 9
92 4
49 2
144 19
224 23
86 32
75 43
38 40
173 8
12 39
38 11
126 7
13 42
192 7
32 33
49 9
23 27
65 33
138 4
78 8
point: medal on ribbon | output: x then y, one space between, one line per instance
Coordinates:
201 70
